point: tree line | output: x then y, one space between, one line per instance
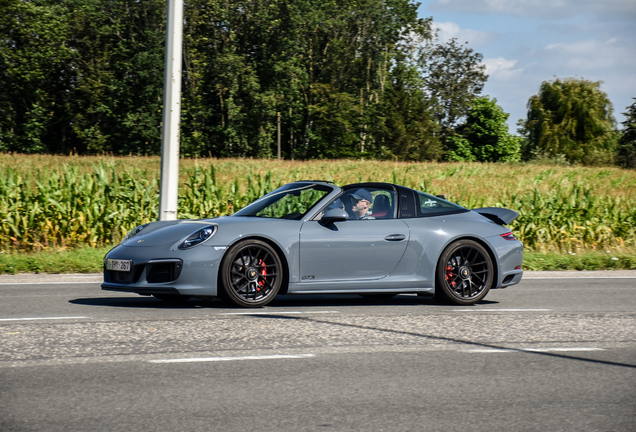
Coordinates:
346 79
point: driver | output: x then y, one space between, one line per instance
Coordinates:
360 202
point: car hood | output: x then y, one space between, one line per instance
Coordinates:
158 233
230 227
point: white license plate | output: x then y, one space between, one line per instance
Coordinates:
118 265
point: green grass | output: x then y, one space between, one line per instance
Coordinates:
89 260
82 260
580 261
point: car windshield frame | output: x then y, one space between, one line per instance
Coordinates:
260 206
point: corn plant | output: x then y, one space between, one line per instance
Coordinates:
49 202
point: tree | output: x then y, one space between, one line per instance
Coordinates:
571 118
33 74
87 76
409 130
117 90
454 77
484 135
81 75
326 66
626 152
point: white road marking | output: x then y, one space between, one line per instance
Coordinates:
41 318
278 313
219 359
500 310
506 350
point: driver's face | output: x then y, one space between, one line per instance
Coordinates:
360 207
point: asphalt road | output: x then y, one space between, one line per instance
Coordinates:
555 353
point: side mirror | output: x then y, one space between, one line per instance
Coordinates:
333 215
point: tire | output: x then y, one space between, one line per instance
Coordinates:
464 273
171 297
251 274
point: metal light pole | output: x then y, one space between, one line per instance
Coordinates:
169 186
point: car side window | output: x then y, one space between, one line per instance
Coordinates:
369 203
383 206
430 205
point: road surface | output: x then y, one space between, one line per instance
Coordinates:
555 353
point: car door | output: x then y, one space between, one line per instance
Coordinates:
351 250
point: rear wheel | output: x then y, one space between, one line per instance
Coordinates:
464 273
251 273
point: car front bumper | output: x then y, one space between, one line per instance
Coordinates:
155 270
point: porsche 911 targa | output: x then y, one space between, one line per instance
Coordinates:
311 237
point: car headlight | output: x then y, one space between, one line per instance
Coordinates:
134 232
198 237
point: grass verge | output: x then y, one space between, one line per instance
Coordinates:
82 260
89 260
581 261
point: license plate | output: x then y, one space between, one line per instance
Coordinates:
118 265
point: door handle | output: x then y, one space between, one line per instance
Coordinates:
395 237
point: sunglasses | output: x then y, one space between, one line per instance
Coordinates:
356 200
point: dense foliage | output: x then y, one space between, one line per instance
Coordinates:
484 135
571 118
49 203
454 78
86 76
626 154
81 76
345 78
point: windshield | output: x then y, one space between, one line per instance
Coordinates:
291 201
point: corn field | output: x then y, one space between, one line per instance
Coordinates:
49 202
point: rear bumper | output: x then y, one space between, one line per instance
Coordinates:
510 278
509 261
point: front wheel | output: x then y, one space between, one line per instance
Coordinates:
251 273
464 273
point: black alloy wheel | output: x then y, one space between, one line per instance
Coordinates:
252 274
464 273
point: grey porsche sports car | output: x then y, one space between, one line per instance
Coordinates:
310 237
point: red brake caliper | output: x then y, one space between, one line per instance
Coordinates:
261 283
449 275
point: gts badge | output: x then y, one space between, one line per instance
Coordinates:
309 277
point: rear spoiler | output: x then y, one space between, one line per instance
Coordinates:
498 215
